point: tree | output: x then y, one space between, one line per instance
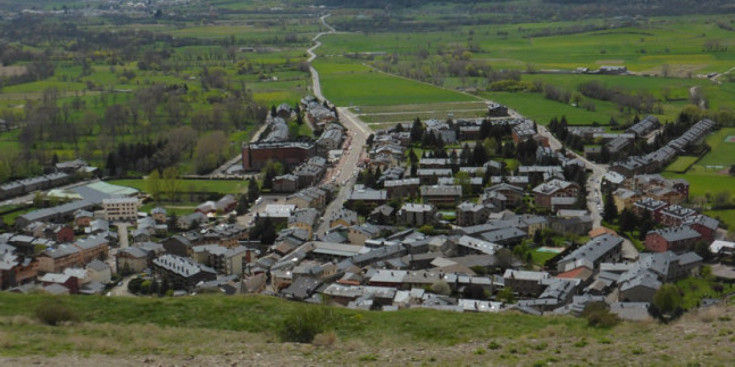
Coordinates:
268 236
506 295
253 191
154 185
170 183
628 220
441 287
417 130
611 211
667 299
463 179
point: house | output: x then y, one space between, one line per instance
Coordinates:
624 198
304 219
191 220
331 138
132 260
383 214
651 206
16 269
277 213
497 110
69 282
524 282
159 214
523 131
311 197
675 215
360 233
604 248
125 209
99 271
503 195
344 217
402 188
442 196
82 218
286 183
470 214
417 215
678 239
545 194
706 226
226 204
178 245
181 272
311 171
431 175
370 197
644 127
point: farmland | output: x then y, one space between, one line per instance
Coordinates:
348 84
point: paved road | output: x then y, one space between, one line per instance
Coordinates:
347 168
594 194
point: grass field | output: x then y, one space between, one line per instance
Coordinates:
726 216
722 153
536 107
214 186
217 330
349 84
681 164
703 180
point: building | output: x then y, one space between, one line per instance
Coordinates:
124 209
417 215
605 248
286 183
402 188
679 239
256 155
470 214
525 283
706 226
181 272
442 196
545 193
304 219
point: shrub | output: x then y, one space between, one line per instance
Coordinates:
325 339
598 315
303 325
54 312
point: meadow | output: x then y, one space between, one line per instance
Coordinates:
353 84
723 152
681 164
213 186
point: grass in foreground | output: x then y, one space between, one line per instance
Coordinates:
215 330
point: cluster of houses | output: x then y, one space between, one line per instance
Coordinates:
385 254
277 145
657 160
63 173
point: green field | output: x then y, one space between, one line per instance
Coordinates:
347 84
536 107
703 180
681 164
722 153
726 216
214 186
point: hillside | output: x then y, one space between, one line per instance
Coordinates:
213 330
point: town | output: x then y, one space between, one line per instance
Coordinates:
473 215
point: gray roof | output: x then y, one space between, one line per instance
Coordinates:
181 265
593 250
681 233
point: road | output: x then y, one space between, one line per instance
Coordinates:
316 87
594 193
347 167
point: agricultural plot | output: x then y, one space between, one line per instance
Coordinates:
407 113
358 85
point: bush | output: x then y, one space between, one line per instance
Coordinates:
304 324
598 315
54 312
